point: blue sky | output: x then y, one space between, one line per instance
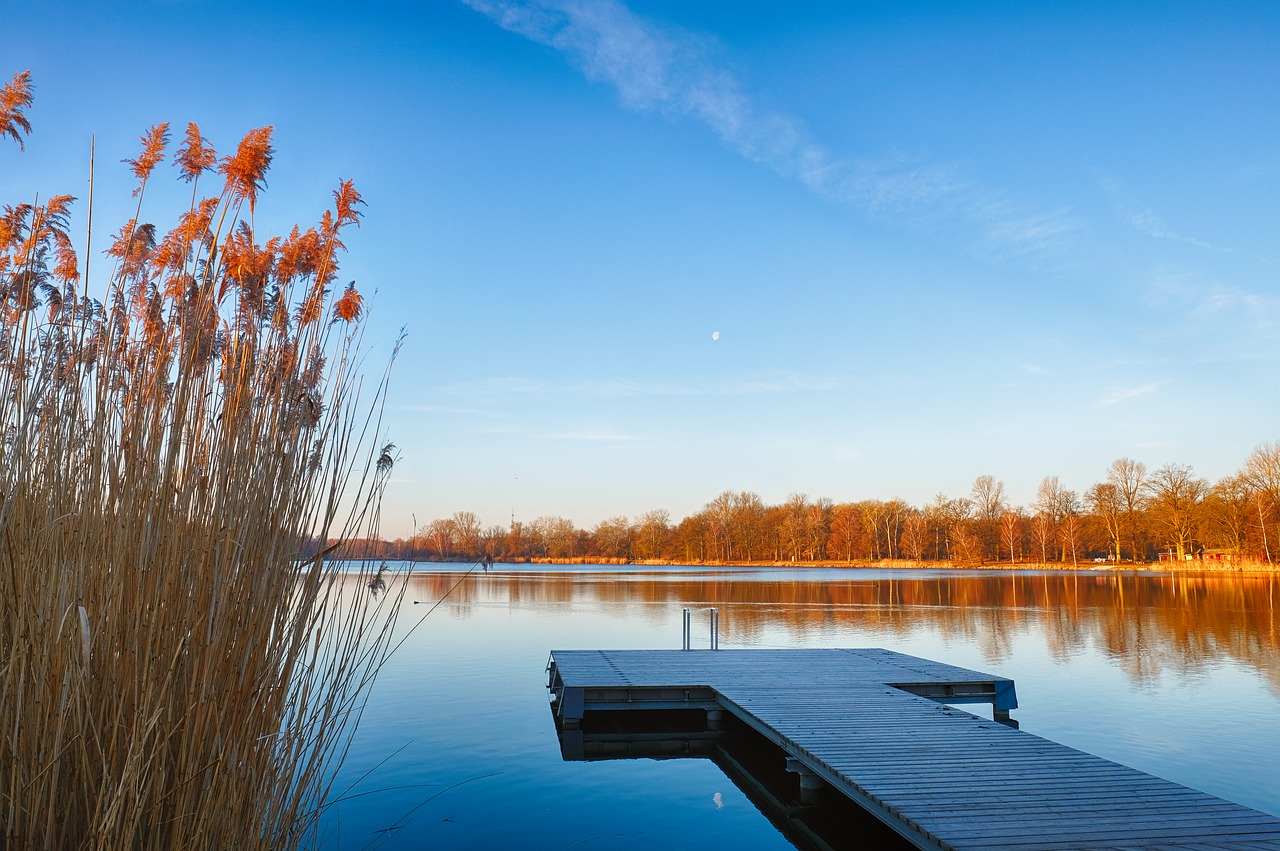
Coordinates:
935 240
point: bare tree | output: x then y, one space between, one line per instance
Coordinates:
491 541
795 528
1227 511
988 502
1043 531
1054 503
719 513
612 538
847 533
652 531
441 536
689 539
817 529
1175 494
915 536
747 516
1011 522
966 548
1103 499
1262 471
518 541
467 527
560 536
1070 526
1130 479
945 515
895 510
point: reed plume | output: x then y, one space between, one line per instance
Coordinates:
177 667
16 96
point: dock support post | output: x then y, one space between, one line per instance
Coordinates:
1005 700
687 637
572 703
714 718
810 783
715 629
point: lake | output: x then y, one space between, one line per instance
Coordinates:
1174 674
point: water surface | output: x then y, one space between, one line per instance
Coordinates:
1176 675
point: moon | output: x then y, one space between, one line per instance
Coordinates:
715 335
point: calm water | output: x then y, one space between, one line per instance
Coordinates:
1176 675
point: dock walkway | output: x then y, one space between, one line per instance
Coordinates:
873 725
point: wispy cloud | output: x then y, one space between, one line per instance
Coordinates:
595 436
623 388
1206 301
1120 394
1223 298
665 69
435 409
1147 221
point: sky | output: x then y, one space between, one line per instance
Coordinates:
648 251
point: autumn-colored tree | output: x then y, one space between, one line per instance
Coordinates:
945 516
493 541
1262 472
688 540
1227 513
1175 495
612 538
1071 528
849 539
748 519
467 529
441 536
966 547
1044 532
1130 478
988 503
558 536
1011 530
653 530
1104 502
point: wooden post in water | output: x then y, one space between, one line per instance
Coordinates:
810 783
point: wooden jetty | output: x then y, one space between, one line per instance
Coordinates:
875 726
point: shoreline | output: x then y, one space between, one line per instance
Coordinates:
1193 566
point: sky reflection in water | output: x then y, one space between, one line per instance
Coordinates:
1175 675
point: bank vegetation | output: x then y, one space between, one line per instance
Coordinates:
1133 515
176 426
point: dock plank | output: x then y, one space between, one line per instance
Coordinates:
870 723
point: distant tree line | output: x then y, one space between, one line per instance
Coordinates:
1132 515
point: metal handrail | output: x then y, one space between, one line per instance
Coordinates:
686 638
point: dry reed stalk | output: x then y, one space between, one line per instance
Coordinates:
174 673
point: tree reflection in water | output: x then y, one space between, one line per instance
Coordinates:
1175 675
1147 622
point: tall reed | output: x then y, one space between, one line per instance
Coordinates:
175 672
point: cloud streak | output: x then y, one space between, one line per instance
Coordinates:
667 70
1124 394
597 436
625 388
1147 221
1233 306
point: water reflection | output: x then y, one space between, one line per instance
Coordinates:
1149 623
1178 676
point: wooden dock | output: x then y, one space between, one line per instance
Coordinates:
875 726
